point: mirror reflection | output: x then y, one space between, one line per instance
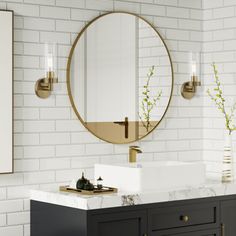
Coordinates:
120 77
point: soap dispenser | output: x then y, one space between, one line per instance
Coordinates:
100 183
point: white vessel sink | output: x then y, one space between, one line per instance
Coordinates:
151 176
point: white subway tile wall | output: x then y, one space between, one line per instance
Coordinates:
51 145
219 46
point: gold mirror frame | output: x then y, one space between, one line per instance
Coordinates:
69 66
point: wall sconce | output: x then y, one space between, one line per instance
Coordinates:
189 88
44 86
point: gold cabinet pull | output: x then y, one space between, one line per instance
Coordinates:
222 229
184 218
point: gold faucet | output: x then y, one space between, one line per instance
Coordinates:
133 150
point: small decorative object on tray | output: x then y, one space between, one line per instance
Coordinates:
99 183
81 182
84 186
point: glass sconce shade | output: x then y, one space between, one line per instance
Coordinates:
44 86
189 88
50 50
195 64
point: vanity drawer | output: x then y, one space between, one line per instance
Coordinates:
211 232
183 216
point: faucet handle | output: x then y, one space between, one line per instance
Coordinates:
136 148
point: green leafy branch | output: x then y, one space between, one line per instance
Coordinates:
147 103
219 100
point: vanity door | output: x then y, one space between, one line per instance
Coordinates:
228 217
128 223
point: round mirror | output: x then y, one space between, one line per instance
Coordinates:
119 77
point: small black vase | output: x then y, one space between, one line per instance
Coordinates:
81 182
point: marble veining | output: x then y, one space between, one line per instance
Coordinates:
209 189
131 199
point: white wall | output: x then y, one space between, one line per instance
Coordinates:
219 32
51 146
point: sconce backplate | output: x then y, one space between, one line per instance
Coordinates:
40 90
187 90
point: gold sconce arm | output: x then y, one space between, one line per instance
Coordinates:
189 88
44 86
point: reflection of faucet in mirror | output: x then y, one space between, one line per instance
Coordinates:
133 150
126 124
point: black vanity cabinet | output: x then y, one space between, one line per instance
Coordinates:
214 216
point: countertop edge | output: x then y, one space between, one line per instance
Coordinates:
210 189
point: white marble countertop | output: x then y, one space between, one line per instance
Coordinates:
209 189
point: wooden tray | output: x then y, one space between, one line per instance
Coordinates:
104 190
